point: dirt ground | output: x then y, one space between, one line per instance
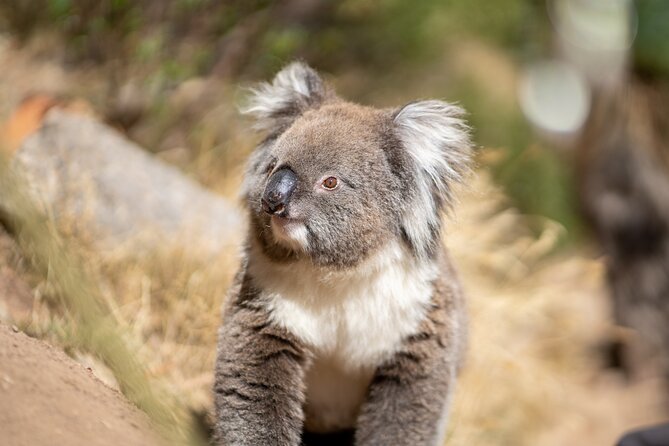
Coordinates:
46 398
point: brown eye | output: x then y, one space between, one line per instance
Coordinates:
330 183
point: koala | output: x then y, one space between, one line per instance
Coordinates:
346 319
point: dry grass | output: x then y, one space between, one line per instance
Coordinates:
534 375
528 328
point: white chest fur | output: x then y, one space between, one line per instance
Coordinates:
352 320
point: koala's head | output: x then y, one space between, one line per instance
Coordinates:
336 181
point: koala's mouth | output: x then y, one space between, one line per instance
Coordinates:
291 232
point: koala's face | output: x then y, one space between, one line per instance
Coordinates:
325 187
335 181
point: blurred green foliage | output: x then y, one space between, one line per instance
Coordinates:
651 46
537 177
373 33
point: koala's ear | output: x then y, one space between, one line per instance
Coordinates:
294 90
437 140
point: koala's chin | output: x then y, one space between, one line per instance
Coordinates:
289 232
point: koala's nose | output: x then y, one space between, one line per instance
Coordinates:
277 193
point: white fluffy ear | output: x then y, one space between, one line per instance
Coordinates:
437 140
296 88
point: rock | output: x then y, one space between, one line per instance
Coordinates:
110 192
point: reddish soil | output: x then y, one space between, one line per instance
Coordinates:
46 398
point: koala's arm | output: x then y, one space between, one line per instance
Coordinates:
410 393
259 388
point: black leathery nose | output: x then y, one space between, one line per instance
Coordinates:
278 191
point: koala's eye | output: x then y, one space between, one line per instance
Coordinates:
330 183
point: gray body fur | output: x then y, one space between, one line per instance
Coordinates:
346 312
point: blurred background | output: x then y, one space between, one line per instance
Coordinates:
561 237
